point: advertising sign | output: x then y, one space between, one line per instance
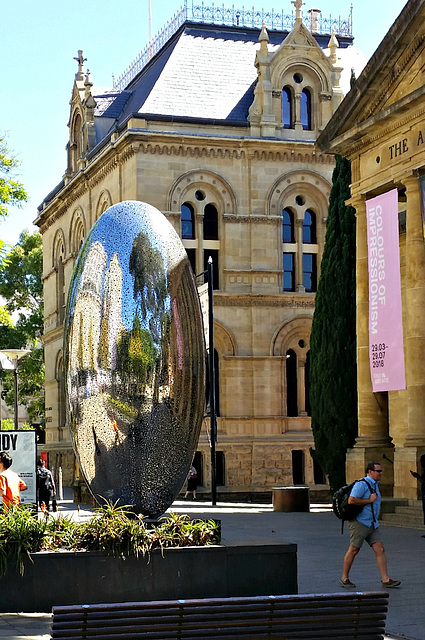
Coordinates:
21 446
386 355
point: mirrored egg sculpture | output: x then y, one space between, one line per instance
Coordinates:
134 359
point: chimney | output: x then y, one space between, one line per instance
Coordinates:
314 20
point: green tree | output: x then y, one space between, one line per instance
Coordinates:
12 192
333 377
21 286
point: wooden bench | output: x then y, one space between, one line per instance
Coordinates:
336 615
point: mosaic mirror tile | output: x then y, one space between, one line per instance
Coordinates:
134 359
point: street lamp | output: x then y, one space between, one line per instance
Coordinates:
14 355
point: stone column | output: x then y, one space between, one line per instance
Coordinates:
297 104
301 386
373 439
407 457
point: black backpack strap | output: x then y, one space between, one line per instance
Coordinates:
371 504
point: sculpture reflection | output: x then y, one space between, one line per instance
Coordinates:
134 358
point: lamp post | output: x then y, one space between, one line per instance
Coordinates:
14 356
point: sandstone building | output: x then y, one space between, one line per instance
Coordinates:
215 125
380 127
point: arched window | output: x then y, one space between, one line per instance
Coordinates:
210 222
289 271
305 106
287 226
307 384
60 292
76 141
298 465
291 384
309 227
216 386
287 108
310 272
188 221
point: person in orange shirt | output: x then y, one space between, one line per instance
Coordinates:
10 483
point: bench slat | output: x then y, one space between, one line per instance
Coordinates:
313 617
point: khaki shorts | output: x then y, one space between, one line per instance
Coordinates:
359 533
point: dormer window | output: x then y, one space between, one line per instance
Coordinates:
188 221
287 108
288 226
305 109
309 227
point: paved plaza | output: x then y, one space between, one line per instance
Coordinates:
321 548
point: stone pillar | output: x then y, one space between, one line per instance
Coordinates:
301 386
297 103
299 287
373 441
407 457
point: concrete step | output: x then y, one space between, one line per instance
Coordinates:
405 516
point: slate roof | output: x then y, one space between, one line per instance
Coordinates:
109 102
203 72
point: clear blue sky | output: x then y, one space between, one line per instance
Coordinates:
39 40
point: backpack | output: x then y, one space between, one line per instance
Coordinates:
340 506
44 481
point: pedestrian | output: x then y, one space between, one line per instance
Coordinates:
10 483
45 485
192 483
421 479
366 526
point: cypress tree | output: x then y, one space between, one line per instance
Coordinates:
333 372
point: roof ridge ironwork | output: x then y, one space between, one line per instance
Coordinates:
232 17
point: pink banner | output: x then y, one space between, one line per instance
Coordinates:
386 355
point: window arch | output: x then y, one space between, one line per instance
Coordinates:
187 221
202 198
287 108
60 380
210 222
309 227
76 140
288 226
307 384
77 232
58 264
305 109
291 384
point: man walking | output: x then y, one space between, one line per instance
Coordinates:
366 526
10 483
45 485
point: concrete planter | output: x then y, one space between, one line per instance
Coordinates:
190 572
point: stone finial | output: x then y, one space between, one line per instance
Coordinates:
298 13
81 60
88 82
333 45
263 38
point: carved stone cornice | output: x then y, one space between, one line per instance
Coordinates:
377 128
153 142
254 218
393 77
259 300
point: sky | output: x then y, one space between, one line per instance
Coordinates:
40 39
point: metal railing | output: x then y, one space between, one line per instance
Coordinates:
220 15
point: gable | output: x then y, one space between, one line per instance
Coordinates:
407 75
395 72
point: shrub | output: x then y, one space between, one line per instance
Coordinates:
113 529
